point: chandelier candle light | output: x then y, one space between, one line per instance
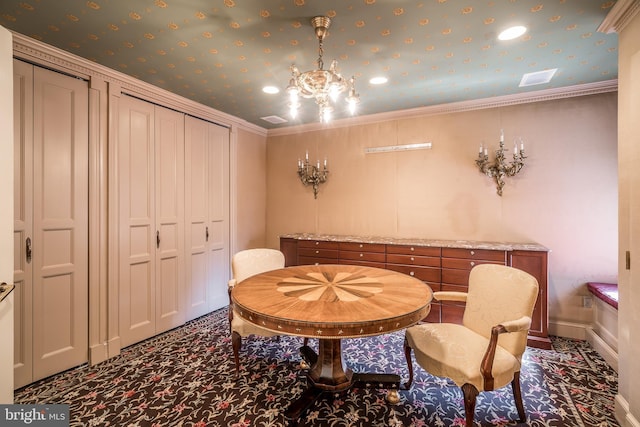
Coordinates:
322 85
312 174
498 170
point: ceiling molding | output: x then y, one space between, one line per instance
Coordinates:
456 107
619 16
42 54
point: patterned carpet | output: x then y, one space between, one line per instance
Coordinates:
185 378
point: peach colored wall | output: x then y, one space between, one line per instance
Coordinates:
565 198
251 195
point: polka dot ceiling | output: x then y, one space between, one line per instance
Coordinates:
221 53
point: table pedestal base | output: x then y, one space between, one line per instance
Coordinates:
327 375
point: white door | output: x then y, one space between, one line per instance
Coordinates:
219 215
207 206
51 222
137 237
169 214
6 219
150 174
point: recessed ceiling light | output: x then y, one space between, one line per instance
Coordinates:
378 80
270 89
512 33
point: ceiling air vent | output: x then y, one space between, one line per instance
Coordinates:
537 78
275 120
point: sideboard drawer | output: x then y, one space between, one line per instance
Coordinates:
426 274
304 260
362 256
414 250
483 254
318 252
426 261
465 264
362 247
318 244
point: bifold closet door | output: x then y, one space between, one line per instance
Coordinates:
51 222
150 174
207 207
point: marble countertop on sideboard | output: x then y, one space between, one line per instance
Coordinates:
461 244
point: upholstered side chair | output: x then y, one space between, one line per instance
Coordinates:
245 264
484 353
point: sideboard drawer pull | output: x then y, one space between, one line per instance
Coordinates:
473 253
472 263
361 245
361 255
413 259
411 273
317 252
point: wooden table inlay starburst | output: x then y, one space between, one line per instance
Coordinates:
341 286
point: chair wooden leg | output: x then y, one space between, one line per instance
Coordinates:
517 395
236 343
407 355
470 393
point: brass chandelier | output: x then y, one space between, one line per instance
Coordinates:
324 86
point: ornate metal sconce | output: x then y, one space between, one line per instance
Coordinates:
499 169
312 174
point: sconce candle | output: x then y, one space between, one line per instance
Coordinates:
499 169
312 174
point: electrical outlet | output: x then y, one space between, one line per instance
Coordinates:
587 301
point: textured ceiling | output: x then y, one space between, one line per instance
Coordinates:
222 52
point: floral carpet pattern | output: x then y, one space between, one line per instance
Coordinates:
185 377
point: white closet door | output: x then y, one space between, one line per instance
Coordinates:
60 222
169 188
23 221
207 206
137 237
219 215
197 216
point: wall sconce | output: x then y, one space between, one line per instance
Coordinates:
312 174
499 169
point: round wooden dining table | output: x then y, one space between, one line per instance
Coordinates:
331 302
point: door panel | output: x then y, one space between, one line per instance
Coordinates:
60 222
169 188
137 238
23 221
219 215
206 202
197 214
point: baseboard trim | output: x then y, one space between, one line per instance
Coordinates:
624 417
572 330
604 349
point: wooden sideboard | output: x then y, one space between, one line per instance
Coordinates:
442 264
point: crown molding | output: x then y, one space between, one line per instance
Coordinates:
456 107
45 55
619 16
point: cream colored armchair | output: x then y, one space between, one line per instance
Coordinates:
245 264
485 352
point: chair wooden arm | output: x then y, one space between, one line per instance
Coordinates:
450 296
486 367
